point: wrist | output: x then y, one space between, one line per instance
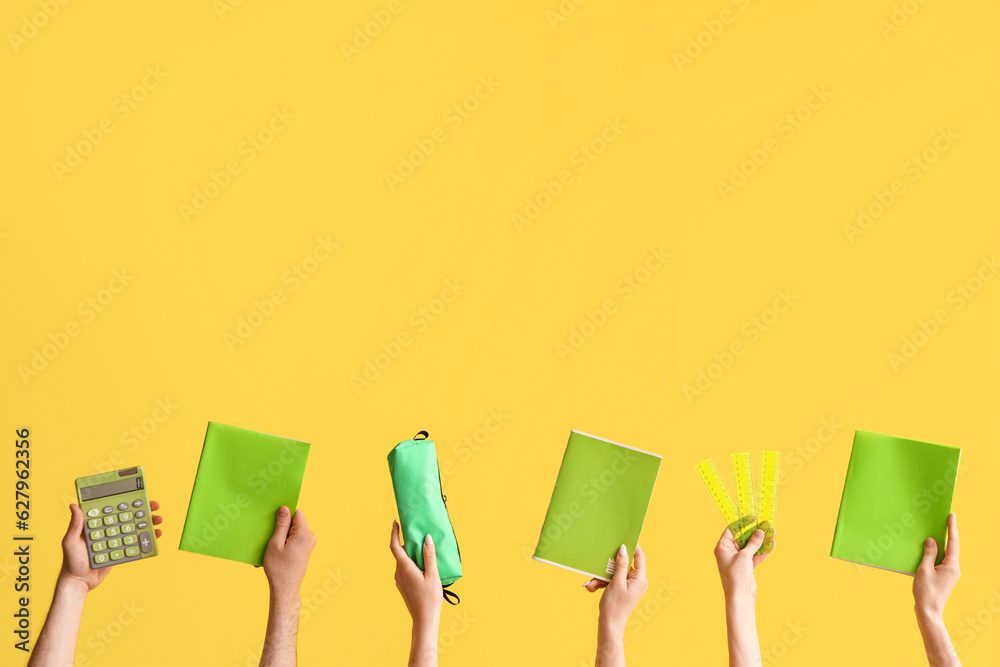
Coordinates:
612 628
740 601
72 587
929 615
284 596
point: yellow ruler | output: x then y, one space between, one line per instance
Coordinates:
743 514
720 494
746 502
767 504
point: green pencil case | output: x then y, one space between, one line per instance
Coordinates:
423 509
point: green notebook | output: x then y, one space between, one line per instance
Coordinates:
243 478
897 494
599 503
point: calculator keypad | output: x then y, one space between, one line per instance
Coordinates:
119 539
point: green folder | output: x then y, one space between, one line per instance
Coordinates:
898 493
599 503
243 478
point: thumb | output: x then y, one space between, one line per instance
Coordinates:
621 567
930 554
281 524
754 543
75 528
430 557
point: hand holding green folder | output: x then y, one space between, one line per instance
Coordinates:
243 478
898 492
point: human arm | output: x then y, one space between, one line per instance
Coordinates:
285 562
736 567
931 587
423 594
57 640
620 597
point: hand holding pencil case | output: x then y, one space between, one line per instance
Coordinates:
422 507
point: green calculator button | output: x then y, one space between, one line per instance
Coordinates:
129 539
114 543
94 523
128 528
100 558
117 555
108 520
98 546
111 531
96 534
132 551
125 516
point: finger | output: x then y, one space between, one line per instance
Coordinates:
153 505
951 546
157 519
282 522
638 570
753 544
299 523
726 541
430 558
930 554
395 546
75 528
159 533
595 585
759 558
621 568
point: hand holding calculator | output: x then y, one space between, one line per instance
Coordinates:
119 522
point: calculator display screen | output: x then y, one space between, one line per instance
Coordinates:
111 488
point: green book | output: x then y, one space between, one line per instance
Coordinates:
898 493
243 478
599 503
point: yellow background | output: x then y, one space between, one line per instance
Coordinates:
495 346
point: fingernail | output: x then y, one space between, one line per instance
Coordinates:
929 542
282 511
622 550
758 533
429 541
